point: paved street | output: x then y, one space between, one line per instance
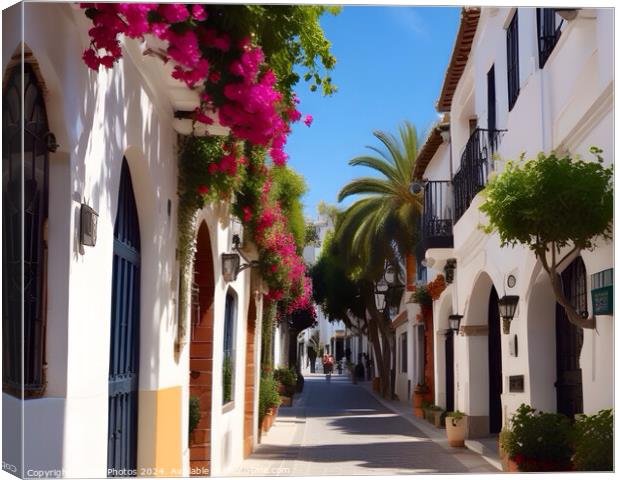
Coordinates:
337 428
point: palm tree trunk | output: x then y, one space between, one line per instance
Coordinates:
378 324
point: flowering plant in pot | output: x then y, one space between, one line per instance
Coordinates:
538 441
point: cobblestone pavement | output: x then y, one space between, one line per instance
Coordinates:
337 428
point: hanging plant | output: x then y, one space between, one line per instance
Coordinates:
420 295
215 50
436 287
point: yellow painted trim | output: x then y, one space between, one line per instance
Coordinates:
159 433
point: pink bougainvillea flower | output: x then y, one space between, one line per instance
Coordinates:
91 59
198 12
173 12
201 116
308 120
247 213
202 189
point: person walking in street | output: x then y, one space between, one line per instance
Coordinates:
367 365
328 365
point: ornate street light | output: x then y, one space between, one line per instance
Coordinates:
507 308
230 266
455 322
231 262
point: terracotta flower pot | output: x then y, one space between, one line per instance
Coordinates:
455 430
376 384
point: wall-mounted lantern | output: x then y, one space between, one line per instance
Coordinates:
455 322
449 269
507 308
231 262
88 226
230 266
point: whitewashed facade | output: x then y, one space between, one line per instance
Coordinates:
99 119
567 106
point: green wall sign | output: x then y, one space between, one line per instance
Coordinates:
603 300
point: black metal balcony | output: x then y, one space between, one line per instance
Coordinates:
436 219
473 174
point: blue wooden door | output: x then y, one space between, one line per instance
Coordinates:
124 335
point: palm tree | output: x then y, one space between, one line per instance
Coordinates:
380 227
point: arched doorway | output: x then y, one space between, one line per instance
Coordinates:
124 334
248 425
24 221
482 331
201 351
569 340
495 365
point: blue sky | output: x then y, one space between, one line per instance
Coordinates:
390 65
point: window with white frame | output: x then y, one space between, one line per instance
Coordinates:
228 361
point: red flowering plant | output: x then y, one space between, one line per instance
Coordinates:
436 287
211 168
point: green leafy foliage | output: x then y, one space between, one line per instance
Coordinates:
594 440
538 441
194 412
421 295
332 287
455 416
268 395
381 224
530 202
288 378
288 188
196 154
289 35
227 372
312 235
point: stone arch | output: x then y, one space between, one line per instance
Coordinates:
250 369
541 345
201 349
482 380
442 332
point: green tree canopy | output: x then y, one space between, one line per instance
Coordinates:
288 187
552 203
386 214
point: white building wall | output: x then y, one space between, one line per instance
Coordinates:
566 106
98 118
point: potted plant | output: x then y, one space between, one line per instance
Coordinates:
538 441
287 384
268 400
436 416
420 392
426 410
593 440
455 428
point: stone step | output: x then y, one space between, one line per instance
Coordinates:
487 447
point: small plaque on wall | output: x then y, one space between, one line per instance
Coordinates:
515 383
513 346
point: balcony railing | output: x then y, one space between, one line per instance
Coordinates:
435 226
473 174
